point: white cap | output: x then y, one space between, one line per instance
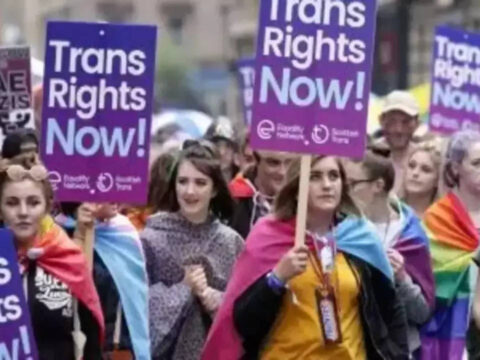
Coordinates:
401 101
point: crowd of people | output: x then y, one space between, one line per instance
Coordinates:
208 268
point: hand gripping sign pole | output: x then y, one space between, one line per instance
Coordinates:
308 101
305 164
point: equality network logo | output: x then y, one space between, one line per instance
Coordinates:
265 129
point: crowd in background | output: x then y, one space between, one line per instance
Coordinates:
207 269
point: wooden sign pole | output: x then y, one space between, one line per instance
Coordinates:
88 245
305 164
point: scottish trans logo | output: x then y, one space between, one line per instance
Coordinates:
105 182
320 134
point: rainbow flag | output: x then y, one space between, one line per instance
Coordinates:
453 243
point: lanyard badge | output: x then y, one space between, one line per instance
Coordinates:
327 308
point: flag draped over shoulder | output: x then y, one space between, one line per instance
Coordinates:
453 243
118 245
268 241
414 247
63 259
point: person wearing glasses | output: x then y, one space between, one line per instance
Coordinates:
398 121
65 310
332 298
453 226
189 252
403 238
256 189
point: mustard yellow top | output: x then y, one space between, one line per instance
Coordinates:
297 335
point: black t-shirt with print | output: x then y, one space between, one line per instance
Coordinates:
51 309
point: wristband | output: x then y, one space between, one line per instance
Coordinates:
275 283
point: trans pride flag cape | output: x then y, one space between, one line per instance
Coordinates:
118 245
453 243
413 246
268 241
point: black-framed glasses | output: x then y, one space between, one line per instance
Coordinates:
204 144
353 183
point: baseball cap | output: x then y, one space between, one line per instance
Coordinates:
401 101
12 145
221 130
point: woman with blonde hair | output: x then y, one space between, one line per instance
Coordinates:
333 298
421 184
64 305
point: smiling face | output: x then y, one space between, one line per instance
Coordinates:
271 171
194 192
398 128
23 206
421 176
325 189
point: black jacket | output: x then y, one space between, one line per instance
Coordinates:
383 316
50 304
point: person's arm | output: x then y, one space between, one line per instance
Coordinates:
416 307
90 329
255 312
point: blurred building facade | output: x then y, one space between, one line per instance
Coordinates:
214 33
210 33
404 38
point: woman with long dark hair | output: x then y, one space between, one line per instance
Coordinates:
189 252
333 298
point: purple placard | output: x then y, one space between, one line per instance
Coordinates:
246 80
313 74
455 95
16 336
15 90
97 110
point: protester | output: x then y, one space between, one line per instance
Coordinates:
271 307
402 236
119 271
452 224
62 298
158 182
399 120
247 157
422 177
222 135
256 190
189 253
21 145
473 336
